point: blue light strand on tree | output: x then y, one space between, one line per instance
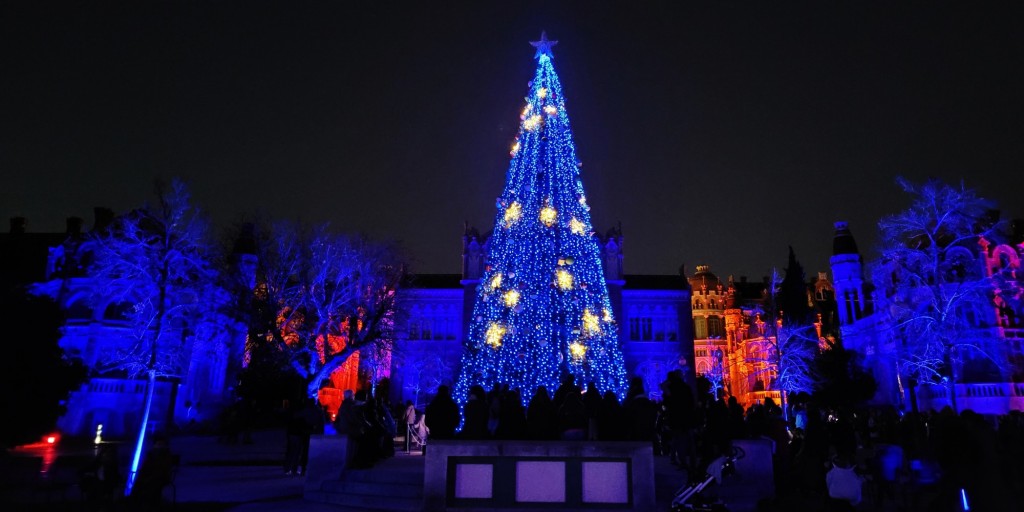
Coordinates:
542 308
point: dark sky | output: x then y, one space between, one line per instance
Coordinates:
716 134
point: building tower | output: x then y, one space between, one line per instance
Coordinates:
542 309
848 277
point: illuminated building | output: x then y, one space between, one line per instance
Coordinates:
867 331
654 333
97 327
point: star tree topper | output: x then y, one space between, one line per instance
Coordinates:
543 46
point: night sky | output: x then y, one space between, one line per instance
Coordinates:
716 134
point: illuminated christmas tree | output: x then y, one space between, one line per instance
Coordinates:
542 308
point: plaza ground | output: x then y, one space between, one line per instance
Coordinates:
214 476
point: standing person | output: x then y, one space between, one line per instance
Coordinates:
572 417
442 415
641 414
372 447
387 423
313 423
157 471
294 433
540 416
346 417
512 422
592 405
494 402
350 422
476 411
568 385
737 427
611 425
682 421
409 416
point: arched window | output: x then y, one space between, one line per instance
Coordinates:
120 311
1007 259
79 310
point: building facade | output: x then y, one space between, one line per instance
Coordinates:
97 328
868 331
654 321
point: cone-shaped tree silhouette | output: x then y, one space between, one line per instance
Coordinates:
542 310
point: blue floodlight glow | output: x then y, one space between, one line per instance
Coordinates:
542 309
963 499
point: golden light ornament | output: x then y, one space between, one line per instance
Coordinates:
513 213
495 281
577 350
511 298
550 110
531 123
548 216
564 279
542 93
576 226
515 148
495 333
526 110
607 315
591 324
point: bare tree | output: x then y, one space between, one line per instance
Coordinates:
423 373
331 295
934 286
786 358
157 259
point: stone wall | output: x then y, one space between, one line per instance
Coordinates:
552 475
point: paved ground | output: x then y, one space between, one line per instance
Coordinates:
250 478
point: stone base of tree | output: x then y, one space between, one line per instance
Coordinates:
328 456
540 475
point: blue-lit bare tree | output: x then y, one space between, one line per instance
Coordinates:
331 295
789 347
158 259
935 287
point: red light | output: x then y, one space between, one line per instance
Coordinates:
51 439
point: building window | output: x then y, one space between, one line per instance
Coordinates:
715 329
657 323
700 328
449 331
640 329
79 310
118 311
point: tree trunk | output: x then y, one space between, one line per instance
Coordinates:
335 362
141 438
951 383
150 380
912 387
951 389
785 405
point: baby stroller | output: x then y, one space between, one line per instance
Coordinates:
688 498
416 434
